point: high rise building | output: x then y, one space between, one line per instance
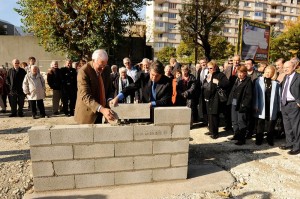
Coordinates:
162 17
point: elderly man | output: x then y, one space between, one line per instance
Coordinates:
54 80
290 108
131 71
175 65
145 65
14 81
94 89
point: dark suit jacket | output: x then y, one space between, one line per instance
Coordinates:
175 68
163 89
294 87
88 94
14 81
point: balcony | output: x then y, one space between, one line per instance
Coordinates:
258 8
161 9
161 19
160 39
275 2
275 11
259 18
273 20
159 29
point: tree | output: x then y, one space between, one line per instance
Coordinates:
165 54
79 27
286 44
200 19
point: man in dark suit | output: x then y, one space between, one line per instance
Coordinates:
14 81
175 65
94 90
290 108
156 87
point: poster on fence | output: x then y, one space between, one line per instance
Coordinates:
254 40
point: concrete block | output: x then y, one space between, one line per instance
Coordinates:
94 180
74 167
132 111
114 164
179 173
53 183
133 177
133 148
93 151
39 135
179 160
181 131
148 162
151 132
51 153
178 146
70 134
172 115
113 133
42 169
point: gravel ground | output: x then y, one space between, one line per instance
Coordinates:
261 172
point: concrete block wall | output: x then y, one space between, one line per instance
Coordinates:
85 156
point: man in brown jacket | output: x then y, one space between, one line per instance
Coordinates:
93 81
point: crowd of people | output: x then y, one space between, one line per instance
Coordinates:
254 99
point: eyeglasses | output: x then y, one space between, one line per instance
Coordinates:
17 63
210 68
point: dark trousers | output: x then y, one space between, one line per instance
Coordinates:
213 123
262 123
239 120
16 103
69 100
39 104
291 122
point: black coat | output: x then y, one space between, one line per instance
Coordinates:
213 103
69 79
243 94
186 94
163 89
14 81
54 78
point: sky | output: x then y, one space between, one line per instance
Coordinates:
7 12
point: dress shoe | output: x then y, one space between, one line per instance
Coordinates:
228 128
20 114
56 113
12 115
284 147
214 136
34 117
3 111
292 152
42 116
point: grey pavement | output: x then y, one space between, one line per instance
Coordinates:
201 178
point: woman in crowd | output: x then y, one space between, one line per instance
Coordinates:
174 86
267 104
240 99
122 81
186 88
214 80
35 90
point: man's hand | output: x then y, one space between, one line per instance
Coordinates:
113 102
298 105
107 113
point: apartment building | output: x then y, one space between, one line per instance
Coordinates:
273 12
8 28
162 17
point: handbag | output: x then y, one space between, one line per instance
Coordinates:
222 95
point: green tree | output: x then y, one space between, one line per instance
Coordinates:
200 19
79 27
286 44
165 54
185 52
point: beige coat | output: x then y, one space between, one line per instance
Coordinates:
34 87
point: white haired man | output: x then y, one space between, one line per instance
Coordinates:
94 90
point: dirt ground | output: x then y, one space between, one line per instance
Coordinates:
260 171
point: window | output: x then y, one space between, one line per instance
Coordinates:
171 26
247 13
236 21
160 35
283 9
247 4
292 1
226 30
259 4
281 17
292 10
171 36
172 5
159 44
159 24
294 18
258 14
172 15
5 26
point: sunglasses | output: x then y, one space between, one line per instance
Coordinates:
210 68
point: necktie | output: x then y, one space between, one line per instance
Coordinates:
102 91
153 90
285 90
234 71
